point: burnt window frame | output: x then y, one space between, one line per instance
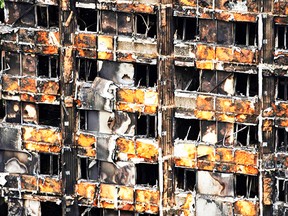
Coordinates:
249 84
180 23
194 83
248 29
250 180
51 58
51 168
182 182
48 16
146 19
150 72
279 147
86 62
284 90
149 132
284 34
86 161
284 190
249 132
80 20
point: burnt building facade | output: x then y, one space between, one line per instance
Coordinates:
153 107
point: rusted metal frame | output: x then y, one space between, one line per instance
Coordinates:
166 100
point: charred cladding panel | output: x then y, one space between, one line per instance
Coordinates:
151 107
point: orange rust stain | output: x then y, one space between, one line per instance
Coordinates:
247 170
138 96
50 50
147 196
225 105
245 17
150 109
205 152
89 152
205 65
10 84
147 151
192 3
68 64
42 37
125 206
225 117
127 7
205 52
47 99
126 95
245 107
50 185
245 208
105 55
206 165
129 107
87 53
205 103
204 115
245 158
28 183
268 125
127 57
244 56
267 191
45 135
85 40
126 193
107 191
125 146
224 155
28 85
27 98
283 123
224 54
106 205
50 87
42 147
86 140
86 190
188 202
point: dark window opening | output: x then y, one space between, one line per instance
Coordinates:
185 28
13 110
282 190
84 168
282 88
125 23
281 136
108 22
50 208
186 78
49 164
146 25
49 115
245 33
2 110
89 169
87 69
89 211
186 179
2 15
3 206
246 135
146 126
187 129
146 75
47 16
11 63
87 19
83 119
246 84
281 37
147 174
48 66
246 186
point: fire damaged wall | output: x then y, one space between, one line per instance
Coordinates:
144 107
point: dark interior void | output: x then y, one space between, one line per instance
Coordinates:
282 88
282 190
48 16
281 33
185 28
146 126
247 135
186 179
281 139
147 174
3 206
49 115
187 129
87 69
186 78
87 19
2 109
2 15
246 186
147 25
48 66
245 33
145 75
50 208
242 80
49 164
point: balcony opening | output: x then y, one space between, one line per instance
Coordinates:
50 208
146 75
187 129
48 66
87 20
87 69
185 28
186 78
246 186
146 25
147 174
49 115
186 179
146 126
245 33
49 164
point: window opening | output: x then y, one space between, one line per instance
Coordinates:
185 28
246 186
87 19
146 125
49 115
186 78
146 25
246 135
48 66
282 192
187 129
186 179
282 88
87 69
49 164
281 139
146 75
147 174
281 37
245 33
47 16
